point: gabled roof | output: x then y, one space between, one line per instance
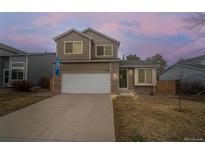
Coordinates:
197 67
102 34
30 54
190 63
69 31
136 63
194 66
192 60
11 49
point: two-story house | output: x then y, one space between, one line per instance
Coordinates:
20 65
90 64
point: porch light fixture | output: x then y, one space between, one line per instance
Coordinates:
115 76
130 71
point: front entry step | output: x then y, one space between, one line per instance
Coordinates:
129 93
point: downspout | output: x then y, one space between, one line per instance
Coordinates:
9 71
53 76
111 77
89 49
26 75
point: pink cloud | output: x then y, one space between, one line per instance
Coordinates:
145 25
110 26
31 39
51 19
15 28
191 48
150 23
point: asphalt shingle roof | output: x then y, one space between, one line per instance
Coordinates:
132 63
11 49
193 62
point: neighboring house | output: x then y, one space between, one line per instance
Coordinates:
192 69
19 65
90 64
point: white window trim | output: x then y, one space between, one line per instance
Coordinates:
18 63
103 50
5 69
72 52
23 68
136 78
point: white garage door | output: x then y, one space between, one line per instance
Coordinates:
86 83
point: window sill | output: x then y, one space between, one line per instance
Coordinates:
16 80
103 56
73 53
145 85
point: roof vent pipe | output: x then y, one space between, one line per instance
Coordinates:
123 58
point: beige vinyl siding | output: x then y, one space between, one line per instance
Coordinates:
86 68
73 36
100 40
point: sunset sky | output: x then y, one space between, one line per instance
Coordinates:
143 34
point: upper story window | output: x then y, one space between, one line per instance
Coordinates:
73 47
104 50
17 71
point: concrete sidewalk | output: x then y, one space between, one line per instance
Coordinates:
65 117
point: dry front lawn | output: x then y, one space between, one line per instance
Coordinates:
11 100
155 118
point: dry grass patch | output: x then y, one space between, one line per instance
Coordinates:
11 100
154 118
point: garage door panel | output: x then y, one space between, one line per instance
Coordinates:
86 83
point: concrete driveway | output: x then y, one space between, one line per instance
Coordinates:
65 117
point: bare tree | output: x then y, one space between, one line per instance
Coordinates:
196 22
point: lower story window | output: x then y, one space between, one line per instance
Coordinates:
149 76
17 74
145 76
141 77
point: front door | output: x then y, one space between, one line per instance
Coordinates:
6 76
123 78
